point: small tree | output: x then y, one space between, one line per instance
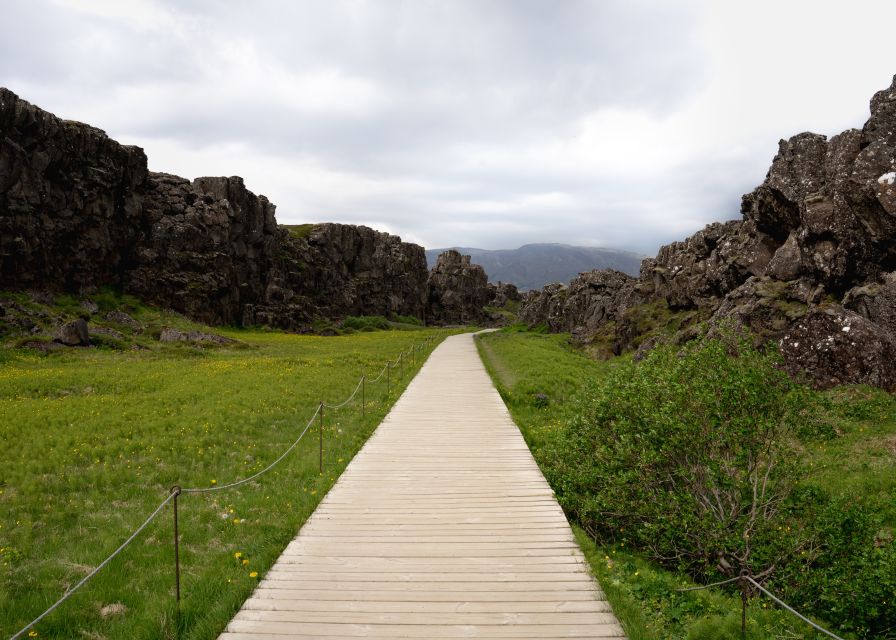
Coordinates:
688 455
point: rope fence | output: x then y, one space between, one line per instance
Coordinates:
177 491
744 580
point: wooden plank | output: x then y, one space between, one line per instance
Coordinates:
319 629
445 618
266 601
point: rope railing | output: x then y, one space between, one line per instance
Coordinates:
177 491
744 580
347 400
236 483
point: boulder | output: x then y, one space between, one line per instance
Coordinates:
73 334
125 320
170 334
837 346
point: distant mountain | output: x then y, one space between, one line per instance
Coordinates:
534 265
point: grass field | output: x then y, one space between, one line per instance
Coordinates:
93 439
538 376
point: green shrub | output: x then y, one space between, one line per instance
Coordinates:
848 570
365 323
407 320
686 455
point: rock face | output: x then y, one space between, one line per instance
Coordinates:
839 346
339 270
70 199
458 290
502 293
79 211
591 300
205 249
814 253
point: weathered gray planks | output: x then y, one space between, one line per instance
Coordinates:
441 527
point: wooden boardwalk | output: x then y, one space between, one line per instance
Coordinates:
441 527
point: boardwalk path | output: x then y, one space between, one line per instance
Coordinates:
441 527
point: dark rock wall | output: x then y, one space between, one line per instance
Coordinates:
79 211
812 265
70 200
339 270
458 290
206 247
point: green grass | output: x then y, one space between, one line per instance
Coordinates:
536 375
93 439
299 230
860 461
855 464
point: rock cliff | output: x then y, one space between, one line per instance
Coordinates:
70 200
458 290
79 211
811 265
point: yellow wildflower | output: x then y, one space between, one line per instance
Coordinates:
214 481
254 574
245 562
238 555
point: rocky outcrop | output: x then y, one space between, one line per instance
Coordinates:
338 270
503 293
458 290
815 252
837 346
71 200
875 301
79 211
590 301
709 264
73 334
206 247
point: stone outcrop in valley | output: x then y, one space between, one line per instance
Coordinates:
458 290
79 211
811 265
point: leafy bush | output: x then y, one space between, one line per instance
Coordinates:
686 455
848 571
365 323
407 320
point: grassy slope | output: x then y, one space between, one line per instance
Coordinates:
91 440
858 463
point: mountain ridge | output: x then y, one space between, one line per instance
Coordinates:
534 265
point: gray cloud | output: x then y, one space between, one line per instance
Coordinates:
458 122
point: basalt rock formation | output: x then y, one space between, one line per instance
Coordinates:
337 270
458 290
70 200
205 249
812 264
79 211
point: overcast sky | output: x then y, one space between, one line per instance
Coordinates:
488 123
